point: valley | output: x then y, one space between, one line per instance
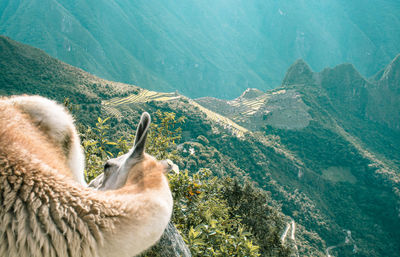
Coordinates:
203 47
325 145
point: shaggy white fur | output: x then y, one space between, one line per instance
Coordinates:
45 212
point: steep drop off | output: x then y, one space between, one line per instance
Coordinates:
344 130
316 143
27 70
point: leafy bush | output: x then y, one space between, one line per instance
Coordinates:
254 206
209 220
207 223
99 145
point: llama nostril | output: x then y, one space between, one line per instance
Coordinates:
172 166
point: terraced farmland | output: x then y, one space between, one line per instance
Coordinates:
247 107
279 108
144 96
222 120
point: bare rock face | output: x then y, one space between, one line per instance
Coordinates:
171 244
283 109
384 97
298 73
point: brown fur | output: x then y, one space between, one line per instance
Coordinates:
147 172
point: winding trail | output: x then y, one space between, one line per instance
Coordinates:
347 241
292 227
284 234
293 236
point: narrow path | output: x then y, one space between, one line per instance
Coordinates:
347 241
293 236
283 236
292 227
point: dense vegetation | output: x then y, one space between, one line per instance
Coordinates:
337 172
216 216
346 152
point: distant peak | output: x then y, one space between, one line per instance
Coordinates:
298 73
392 71
301 64
396 59
346 67
3 37
7 40
341 71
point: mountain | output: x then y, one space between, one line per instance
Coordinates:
323 144
386 91
28 70
205 47
344 129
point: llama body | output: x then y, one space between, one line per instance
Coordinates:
44 211
58 125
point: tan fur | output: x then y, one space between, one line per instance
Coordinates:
45 212
57 124
144 175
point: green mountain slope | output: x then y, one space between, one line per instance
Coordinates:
316 143
22 68
345 130
205 47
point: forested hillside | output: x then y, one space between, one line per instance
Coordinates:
322 162
344 130
206 47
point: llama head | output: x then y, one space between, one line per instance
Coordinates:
122 170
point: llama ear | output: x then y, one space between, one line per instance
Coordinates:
141 135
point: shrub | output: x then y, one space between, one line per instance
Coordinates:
211 213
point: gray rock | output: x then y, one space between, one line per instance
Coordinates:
171 244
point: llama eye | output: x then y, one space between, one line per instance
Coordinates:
107 166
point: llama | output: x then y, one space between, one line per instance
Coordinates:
45 211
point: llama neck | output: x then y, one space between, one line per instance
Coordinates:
51 210
40 205
21 140
44 212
